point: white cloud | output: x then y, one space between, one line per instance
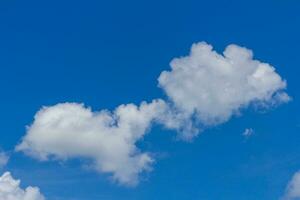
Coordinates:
3 159
10 190
70 130
204 89
248 132
293 188
211 87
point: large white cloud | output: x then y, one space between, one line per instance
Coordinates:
10 190
203 89
70 130
212 87
293 188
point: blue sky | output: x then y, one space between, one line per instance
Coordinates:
107 53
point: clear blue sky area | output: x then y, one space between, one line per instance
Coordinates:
107 53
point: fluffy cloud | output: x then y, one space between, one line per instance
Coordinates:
211 87
10 190
293 188
203 89
70 130
3 159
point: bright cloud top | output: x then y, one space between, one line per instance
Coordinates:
204 88
213 87
10 190
293 188
71 130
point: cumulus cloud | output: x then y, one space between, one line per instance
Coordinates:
108 139
212 87
293 188
204 88
3 159
10 190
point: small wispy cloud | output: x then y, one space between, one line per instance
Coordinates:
3 159
248 132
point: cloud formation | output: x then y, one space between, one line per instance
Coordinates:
10 190
212 87
204 89
293 188
70 130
